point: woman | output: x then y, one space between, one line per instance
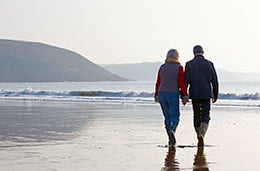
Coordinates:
169 84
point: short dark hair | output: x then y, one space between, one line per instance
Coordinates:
197 49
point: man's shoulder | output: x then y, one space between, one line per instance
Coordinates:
209 62
199 61
190 61
202 58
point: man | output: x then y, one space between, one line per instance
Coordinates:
201 78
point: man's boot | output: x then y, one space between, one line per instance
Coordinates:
197 129
202 131
203 128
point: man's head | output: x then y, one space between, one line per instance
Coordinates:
198 50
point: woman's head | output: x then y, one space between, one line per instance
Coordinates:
172 56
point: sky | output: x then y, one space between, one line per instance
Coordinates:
135 31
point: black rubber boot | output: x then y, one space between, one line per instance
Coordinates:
172 140
202 131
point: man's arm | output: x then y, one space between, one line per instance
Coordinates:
186 76
214 82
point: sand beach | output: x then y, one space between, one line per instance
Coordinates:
63 136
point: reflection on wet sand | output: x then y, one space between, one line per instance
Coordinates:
23 125
171 162
200 162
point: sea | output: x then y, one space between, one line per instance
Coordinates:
235 93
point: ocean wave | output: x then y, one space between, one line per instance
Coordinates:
245 96
120 97
110 94
231 96
119 94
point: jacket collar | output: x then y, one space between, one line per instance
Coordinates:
199 56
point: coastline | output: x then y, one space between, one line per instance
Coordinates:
89 136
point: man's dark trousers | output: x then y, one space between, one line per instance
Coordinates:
201 108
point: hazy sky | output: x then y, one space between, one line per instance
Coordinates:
133 31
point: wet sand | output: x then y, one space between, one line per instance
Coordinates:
47 136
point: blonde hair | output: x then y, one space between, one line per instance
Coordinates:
172 56
172 60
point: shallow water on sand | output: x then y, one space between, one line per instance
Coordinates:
86 136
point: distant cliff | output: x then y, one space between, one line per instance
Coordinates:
22 61
137 71
148 71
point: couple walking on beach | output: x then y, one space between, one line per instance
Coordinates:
201 79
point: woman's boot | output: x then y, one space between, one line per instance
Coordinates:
171 137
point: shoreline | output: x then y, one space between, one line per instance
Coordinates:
119 101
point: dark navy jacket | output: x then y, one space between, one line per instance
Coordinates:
200 76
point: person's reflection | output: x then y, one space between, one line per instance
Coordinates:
200 163
171 164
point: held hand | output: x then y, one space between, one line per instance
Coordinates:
214 100
156 99
184 101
